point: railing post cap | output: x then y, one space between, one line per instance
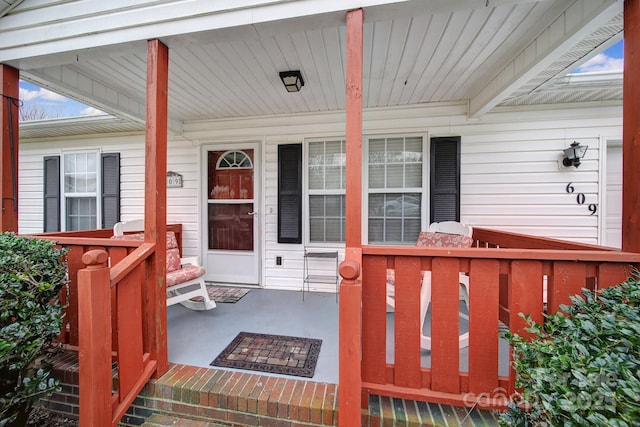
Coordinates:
95 258
349 270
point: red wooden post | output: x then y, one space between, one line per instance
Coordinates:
155 201
631 129
94 312
354 129
350 381
9 85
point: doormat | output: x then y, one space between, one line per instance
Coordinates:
226 295
276 354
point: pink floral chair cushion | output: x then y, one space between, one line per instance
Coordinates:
435 240
173 253
188 272
443 240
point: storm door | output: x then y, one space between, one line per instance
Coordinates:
231 217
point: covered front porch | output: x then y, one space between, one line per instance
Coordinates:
377 353
508 273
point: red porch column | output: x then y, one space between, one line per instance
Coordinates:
9 84
631 129
155 201
350 379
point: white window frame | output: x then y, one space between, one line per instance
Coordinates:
307 192
64 195
424 191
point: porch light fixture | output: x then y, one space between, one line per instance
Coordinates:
292 80
574 154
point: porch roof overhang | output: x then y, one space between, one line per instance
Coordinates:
224 61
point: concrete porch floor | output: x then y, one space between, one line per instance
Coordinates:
197 337
193 393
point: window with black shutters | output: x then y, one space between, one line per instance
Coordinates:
290 193
81 191
445 179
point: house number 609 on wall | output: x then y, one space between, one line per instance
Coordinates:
581 199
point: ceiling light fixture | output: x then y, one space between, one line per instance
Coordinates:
292 80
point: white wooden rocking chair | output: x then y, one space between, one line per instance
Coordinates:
447 234
185 277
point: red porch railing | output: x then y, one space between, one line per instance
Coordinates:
106 319
508 273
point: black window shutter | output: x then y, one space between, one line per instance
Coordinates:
445 179
110 189
51 193
290 193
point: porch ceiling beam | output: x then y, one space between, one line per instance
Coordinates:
68 82
580 19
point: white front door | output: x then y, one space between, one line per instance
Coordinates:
231 214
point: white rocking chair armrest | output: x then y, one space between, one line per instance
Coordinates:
190 260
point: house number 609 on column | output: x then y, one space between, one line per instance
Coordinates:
581 199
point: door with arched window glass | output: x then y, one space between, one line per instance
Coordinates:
231 216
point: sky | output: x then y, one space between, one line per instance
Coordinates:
55 105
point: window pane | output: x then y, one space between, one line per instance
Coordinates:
394 218
316 165
395 176
334 230
334 206
316 229
376 228
413 175
327 218
81 213
230 226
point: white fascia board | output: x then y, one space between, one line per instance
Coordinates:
99 96
575 23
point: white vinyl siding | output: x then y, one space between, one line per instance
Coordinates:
510 179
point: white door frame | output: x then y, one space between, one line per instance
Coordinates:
254 276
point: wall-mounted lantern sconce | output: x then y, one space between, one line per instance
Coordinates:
574 154
292 80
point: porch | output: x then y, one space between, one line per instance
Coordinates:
192 391
508 274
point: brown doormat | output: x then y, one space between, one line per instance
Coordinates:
277 354
225 294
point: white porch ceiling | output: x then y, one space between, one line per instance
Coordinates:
506 53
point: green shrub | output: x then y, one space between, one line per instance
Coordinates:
583 367
32 274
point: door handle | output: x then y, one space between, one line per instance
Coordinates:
252 213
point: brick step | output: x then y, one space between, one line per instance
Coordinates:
158 420
231 398
390 411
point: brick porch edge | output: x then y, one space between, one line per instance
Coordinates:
213 395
